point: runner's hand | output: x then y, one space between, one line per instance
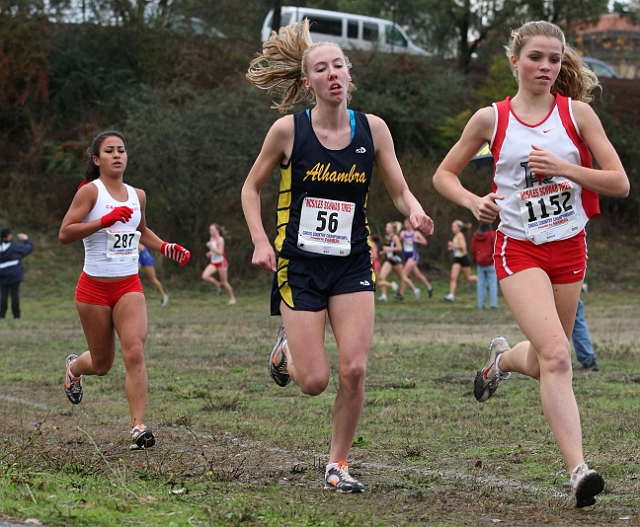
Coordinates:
122 214
175 252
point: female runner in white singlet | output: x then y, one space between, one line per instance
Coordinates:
544 189
108 216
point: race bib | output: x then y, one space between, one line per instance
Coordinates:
122 246
548 212
407 245
325 226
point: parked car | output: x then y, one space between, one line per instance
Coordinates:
350 31
600 68
195 25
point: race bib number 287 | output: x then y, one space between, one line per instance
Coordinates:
122 246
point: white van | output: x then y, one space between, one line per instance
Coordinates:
350 31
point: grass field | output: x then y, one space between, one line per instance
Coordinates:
235 449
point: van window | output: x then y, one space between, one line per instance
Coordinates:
352 28
327 26
369 31
394 37
285 19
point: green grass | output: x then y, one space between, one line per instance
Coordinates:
234 449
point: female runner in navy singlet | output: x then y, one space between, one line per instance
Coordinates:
108 216
545 190
321 260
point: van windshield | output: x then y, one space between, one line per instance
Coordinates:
394 37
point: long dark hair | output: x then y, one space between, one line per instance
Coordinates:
92 171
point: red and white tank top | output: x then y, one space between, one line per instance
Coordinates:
538 208
112 251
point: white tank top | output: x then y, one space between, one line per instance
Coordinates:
214 256
113 251
539 209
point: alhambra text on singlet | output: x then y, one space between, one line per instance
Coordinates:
321 172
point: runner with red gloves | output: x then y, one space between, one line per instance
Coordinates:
108 216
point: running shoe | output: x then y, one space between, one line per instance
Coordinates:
72 385
278 361
449 298
431 292
586 484
142 438
398 296
416 293
338 478
395 287
382 298
231 302
487 379
164 301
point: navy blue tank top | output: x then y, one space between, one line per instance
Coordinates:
329 178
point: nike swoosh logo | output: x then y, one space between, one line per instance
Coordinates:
548 130
361 150
578 271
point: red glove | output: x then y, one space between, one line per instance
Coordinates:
122 214
175 252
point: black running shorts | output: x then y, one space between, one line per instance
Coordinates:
306 284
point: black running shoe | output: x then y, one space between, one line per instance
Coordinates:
338 479
142 438
278 361
487 379
586 484
72 385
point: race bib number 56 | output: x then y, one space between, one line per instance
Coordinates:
122 246
325 226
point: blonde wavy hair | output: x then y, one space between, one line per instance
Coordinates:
575 80
282 65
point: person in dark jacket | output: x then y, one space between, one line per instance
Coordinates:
11 271
482 244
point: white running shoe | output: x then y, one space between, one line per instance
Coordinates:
338 479
164 301
416 293
449 298
231 302
586 484
382 298
487 379
395 287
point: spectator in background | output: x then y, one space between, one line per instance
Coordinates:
582 341
11 271
482 244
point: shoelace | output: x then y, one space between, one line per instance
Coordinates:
74 383
138 431
343 468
